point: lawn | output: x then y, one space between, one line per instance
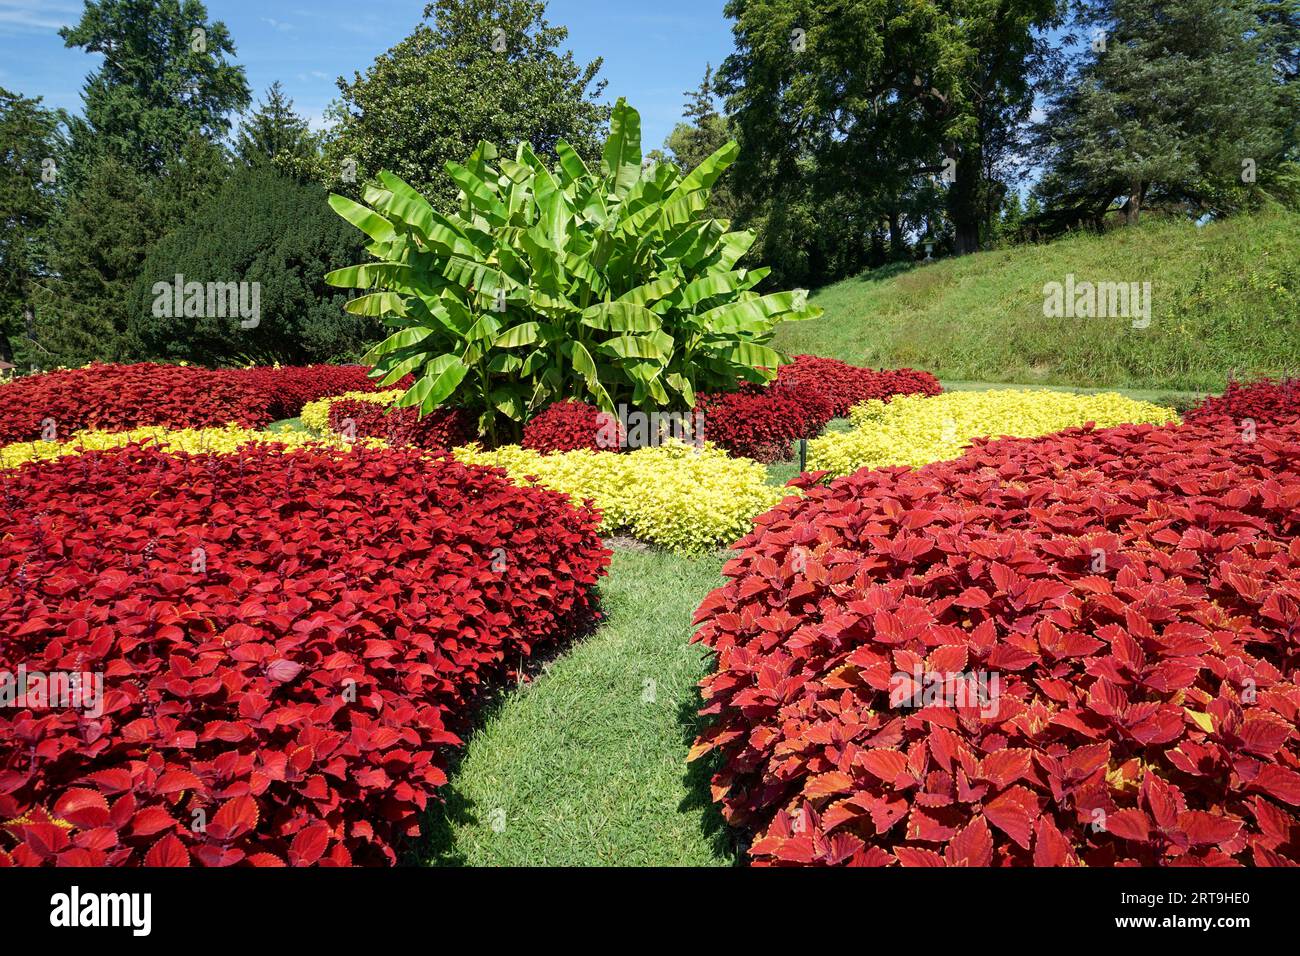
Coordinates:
1224 297
586 765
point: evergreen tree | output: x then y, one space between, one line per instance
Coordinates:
267 228
100 240
1175 100
147 152
29 151
275 133
165 78
473 70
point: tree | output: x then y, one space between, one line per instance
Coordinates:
29 145
1173 102
147 152
473 70
267 228
275 133
871 97
165 78
703 132
99 242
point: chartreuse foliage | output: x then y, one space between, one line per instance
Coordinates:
222 440
684 499
608 285
316 415
920 429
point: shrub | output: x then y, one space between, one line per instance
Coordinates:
1264 401
610 286
222 440
297 688
760 423
118 397
1134 590
844 385
917 430
440 430
569 426
261 227
685 499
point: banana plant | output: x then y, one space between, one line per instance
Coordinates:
608 285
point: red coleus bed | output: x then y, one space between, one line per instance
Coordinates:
441 429
288 388
1250 405
843 385
288 643
1135 593
572 425
760 423
122 397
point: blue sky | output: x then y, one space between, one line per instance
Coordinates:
653 51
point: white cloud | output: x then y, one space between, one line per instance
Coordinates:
36 16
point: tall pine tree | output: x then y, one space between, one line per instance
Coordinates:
1176 101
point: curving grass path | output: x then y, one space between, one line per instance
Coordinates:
586 765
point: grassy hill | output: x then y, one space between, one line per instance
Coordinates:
1226 296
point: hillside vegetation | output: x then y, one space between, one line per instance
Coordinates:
1224 297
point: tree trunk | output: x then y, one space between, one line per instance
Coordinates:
1133 207
964 205
896 250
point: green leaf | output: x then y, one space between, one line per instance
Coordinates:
481 195
523 334
571 165
585 366
621 317
634 346
398 340
621 158
441 376
377 304
367 220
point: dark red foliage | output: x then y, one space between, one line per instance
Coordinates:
571 425
1264 401
296 690
441 429
289 388
122 397
1136 591
844 385
760 423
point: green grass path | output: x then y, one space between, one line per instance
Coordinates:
586 765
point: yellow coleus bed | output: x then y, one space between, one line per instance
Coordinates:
685 499
194 440
315 415
919 429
